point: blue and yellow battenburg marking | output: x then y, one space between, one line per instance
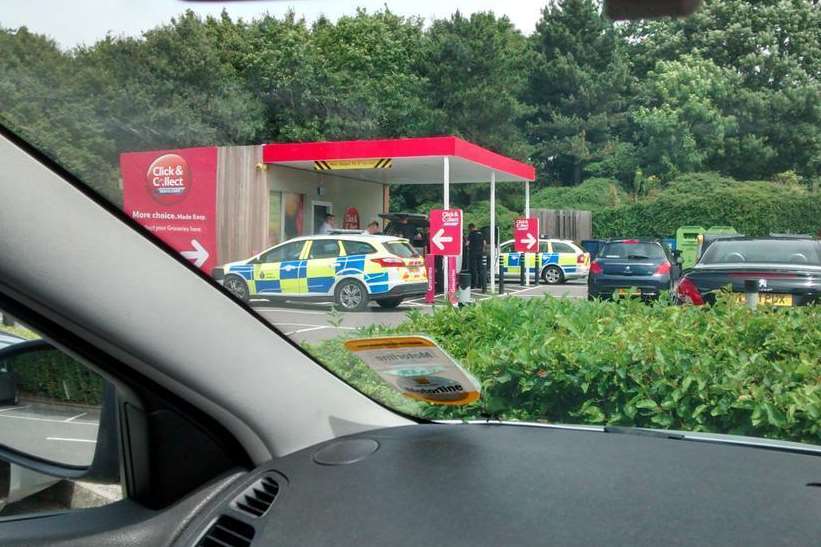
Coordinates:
311 276
511 263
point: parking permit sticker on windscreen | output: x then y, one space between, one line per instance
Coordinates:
418 368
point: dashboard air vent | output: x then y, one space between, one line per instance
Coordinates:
228 532
258 498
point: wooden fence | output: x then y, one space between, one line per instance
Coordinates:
565 223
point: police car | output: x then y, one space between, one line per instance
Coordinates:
559 261
350 269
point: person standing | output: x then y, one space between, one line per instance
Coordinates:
476 250
328 225
373 228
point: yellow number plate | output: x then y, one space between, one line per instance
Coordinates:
632 291
773 299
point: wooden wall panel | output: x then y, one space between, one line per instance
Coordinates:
242 203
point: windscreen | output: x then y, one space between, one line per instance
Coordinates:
776 251
401 249
240 134
637 251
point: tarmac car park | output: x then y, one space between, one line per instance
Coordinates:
352 269
559 261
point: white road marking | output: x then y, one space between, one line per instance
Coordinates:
70 440
75 417
300 331
46 420
14 408
293 311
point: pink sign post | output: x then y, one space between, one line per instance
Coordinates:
526 235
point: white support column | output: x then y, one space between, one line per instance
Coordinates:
493 261
446 205
527 215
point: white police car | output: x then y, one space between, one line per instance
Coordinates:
352 269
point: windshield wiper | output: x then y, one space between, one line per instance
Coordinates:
637 257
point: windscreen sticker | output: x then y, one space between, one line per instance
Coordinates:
417 368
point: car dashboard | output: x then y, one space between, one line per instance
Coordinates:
500 484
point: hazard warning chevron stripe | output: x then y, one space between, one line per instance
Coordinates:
337 165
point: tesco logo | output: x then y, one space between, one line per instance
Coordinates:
168 179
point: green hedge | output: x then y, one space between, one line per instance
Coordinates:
722 369
56 376
753 208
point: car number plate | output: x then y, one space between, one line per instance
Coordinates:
629 291
773 299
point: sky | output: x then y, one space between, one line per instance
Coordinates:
76 22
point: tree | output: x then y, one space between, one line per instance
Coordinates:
578 86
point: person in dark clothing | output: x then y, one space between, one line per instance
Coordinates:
476 250
408 231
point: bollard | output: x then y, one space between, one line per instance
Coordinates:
751 293
536 269
483 273
464 288
501 276
522 269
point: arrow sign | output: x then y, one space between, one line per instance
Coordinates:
526 235
439 239
446 232
199 255
529 242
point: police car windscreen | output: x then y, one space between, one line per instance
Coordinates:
774 251
401 249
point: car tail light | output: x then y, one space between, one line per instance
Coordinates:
595 268
664 268
580 259
687 292
389 262
631 241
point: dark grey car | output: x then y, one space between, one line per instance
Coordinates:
632 267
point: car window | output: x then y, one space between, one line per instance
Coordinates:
358 248
400 248
632 250
324 248
288 251
779 251
50 409
506 248
544 246
559 247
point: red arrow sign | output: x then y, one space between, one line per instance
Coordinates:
526 235
446 232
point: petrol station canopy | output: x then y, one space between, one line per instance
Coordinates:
429 160
406 161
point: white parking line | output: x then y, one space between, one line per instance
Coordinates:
75 417
70 440
45 420
305 312
14 408
300 331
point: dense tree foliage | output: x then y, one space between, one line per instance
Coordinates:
735 90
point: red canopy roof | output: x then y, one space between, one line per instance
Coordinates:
415 161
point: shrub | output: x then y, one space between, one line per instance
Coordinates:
56 376
722 369
753 208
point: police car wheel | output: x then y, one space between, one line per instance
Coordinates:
389 303
552 275
236 286
351 295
